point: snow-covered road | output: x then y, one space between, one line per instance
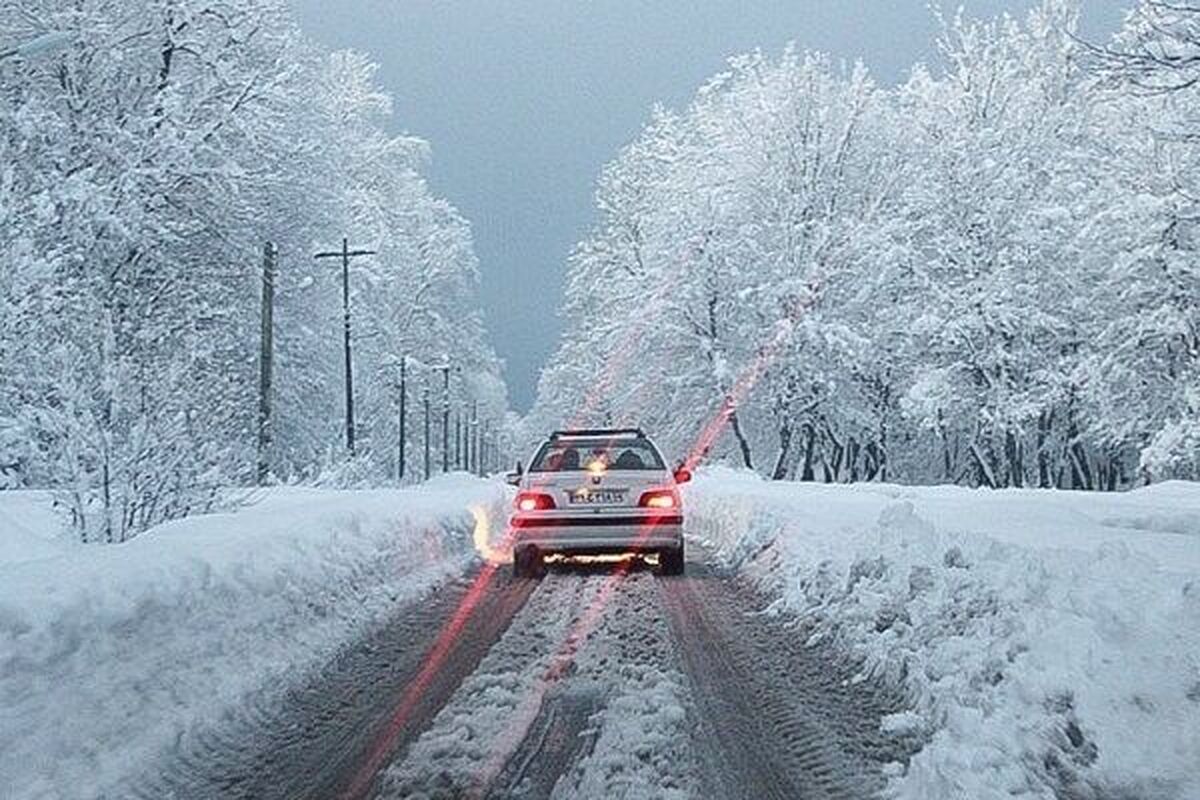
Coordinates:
591 683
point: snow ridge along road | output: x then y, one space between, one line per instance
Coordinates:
1048 641
114 657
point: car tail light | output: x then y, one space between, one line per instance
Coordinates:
534 501
659 498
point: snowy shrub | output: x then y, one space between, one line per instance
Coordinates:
1175 451
340 472
14 454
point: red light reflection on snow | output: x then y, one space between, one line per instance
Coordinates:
433 662
741 389
525 714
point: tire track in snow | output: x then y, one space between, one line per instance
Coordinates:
310 741
557 738
576 700
583 686
444 762
643 747
774 718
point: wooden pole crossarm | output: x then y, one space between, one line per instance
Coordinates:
345 254
348 253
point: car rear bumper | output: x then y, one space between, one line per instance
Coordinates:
598 534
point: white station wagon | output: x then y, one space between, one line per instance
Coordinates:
597 492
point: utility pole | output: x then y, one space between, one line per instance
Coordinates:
265 363
466 437
346 254
403 417
425 397
445 368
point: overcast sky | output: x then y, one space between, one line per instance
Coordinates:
524 101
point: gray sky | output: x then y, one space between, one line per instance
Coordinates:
524 101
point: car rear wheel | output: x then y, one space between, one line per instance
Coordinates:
670 562
528 563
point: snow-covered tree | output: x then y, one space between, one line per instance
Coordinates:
982 275
144 166
1150 78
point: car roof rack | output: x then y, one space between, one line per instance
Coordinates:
598 432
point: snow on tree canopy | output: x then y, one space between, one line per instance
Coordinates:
989 272
145 164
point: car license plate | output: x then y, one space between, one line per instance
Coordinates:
597 497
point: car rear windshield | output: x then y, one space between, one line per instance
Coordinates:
575 455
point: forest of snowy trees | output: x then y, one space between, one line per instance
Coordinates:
987 274
144 165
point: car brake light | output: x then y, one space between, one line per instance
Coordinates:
534 501
659 498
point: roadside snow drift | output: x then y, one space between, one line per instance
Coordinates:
1049 641
29 527
108 654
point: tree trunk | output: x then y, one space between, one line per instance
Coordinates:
785 446
1045 425
833 465
741 439
883 454
810 435
1081 470
873 463
947 461
983 468
1112 472
1016 465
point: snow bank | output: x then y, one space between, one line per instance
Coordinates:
109 653
29 527
1050 641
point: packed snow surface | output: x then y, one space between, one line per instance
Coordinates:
110 653
598 664
1049 640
